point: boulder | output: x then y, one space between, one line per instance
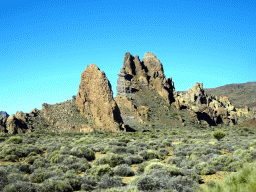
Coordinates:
3 121
14 125
95 100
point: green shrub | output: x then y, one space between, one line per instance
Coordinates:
244 180
150 154
111 159
83 151
98 171
15 140
124 170
154 165
218 135
12 158
108 182
56 185
19 186
2 139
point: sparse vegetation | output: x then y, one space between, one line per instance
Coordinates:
174 159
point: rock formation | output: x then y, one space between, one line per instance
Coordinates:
95 100
211 109
19 123
4 114
149 73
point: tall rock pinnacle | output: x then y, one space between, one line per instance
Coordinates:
95 100
148 73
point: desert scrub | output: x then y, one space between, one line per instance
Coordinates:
56 185
111 159
108 182
15 140
98 171
124 170
218 135
2 139
3 178
133 159
244 180
83 151
20 186
150 154
39 175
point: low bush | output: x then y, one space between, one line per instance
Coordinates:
124 170
150 154
244 180
98 171
19 186
218 135
15 140
3 178
57 185
108 182
87 183
83 151
111 159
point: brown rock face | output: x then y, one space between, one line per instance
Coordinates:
149 73
14 125
95 100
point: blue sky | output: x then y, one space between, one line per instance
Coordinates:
46 45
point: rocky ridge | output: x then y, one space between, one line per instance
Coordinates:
144 98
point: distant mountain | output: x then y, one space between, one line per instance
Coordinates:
239 94
3 113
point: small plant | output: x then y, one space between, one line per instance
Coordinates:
74 96
15 140
218 135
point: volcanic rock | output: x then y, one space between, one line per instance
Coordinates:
14 125
148 73
95 100
4 114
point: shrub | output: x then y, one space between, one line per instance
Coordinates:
24 168
163 152
2 139
98 171
150 154
111 159
153 165
56 185
218 135
148 183
109 182
87 183
3 178
80 166
124 170
15 140
134 159
12 158
41 175
118 150
142 167
19 186
83 151
244 180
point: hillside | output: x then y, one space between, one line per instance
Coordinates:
240 94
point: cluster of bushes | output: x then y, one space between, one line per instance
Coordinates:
67 162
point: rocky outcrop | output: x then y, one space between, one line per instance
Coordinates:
148 73
19 123
95 100
130 112
4 114
211 109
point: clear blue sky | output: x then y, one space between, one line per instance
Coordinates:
46 45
